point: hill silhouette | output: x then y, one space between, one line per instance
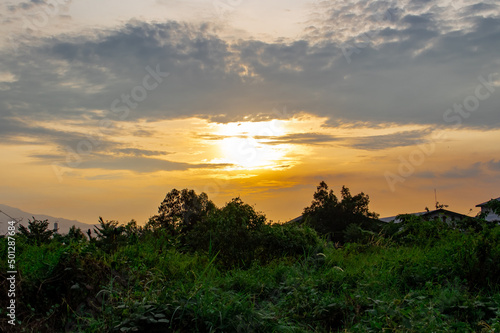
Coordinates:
24 217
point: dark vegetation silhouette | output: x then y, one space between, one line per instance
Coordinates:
340 220
196 267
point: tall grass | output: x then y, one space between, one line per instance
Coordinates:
448 285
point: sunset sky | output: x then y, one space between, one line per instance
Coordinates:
105 106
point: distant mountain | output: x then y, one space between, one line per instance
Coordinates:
63 224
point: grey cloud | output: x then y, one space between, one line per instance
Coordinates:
293 138
52 157
106 176
479 8
471 171
494 165
26 5
415 20
300 139
426 174
137 164
412 75
140 164
141 152
379 142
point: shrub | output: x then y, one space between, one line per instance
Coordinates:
277 241
416 230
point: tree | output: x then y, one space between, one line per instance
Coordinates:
357 205
232 232
109 234
37 231
330 217
133 231
181 210
75 235
322 198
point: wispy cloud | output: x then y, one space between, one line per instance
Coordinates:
385 141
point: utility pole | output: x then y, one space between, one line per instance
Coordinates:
11 218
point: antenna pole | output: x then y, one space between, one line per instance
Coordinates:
436 198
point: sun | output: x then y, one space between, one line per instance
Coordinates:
252 145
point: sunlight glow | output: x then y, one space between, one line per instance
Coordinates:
249 145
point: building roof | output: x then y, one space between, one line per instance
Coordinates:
296 220
428 214
484 203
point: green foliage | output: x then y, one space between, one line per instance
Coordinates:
449 284
278 241
75 235
109 235
231 232
353 233
37 231
244 275
475 257
494 205
238 235
416 230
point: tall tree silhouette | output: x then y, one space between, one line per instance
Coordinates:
330 217
181 210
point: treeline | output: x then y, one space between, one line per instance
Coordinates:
198 267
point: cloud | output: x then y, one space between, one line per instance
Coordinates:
480 8
26 5
399 139
493 165
110 176
141 164
136 164
299 139
426 175
471 171
413 64
141 152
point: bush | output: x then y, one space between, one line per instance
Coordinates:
278 241
417 231
475 257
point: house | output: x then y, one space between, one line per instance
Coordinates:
487 212
297 220
445 215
